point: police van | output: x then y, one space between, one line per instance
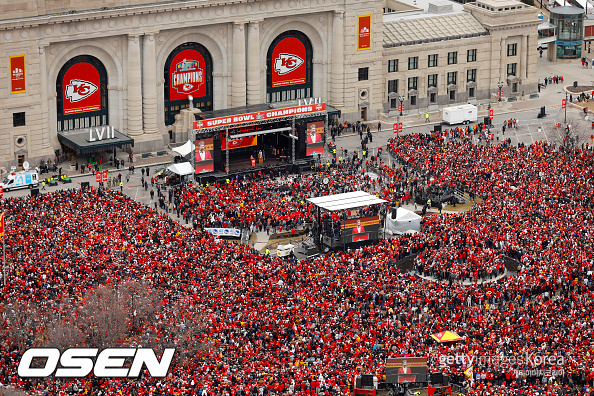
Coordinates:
22 179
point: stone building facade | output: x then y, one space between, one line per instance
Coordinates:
126 54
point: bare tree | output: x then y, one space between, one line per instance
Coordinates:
10 391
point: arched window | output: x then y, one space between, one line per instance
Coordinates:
188 72
289 67
81 89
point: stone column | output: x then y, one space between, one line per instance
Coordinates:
522 65
238 88
45 130
149 84
134 107
503 71
254 67
338 59
527 56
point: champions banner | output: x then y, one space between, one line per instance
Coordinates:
364 32
258 116
17 74
187 75
241 142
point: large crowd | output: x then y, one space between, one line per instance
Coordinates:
299 327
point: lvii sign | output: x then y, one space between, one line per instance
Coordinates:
107 130
78 362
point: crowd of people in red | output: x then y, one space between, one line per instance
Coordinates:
272 326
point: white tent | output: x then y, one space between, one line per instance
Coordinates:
185 148
405 221
185 168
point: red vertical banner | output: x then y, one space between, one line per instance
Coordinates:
17 74
1 224
395 128
289 62
399 127
364 32
104 178
98 177
563 103
187 75
491 114
81 89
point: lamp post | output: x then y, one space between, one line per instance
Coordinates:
499 93
565 119
401 100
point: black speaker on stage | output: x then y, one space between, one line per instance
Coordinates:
367 381
84 185
394 213
34 192
220 159
446 380
436 378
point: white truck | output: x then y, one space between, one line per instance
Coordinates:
22 179
463 114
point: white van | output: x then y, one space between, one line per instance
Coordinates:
22 179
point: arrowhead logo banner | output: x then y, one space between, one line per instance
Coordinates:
1 224
286 63
289 62
78 90
81 90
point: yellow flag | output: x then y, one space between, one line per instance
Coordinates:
468 372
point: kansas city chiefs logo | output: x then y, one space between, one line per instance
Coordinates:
286 63
79 89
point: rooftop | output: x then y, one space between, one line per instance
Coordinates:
425 28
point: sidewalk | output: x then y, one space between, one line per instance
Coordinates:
549 97
138 162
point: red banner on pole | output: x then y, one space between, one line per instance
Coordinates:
490 114
104 175
395 128
399 127
98 177
17 74
563 103
1 192
2 225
